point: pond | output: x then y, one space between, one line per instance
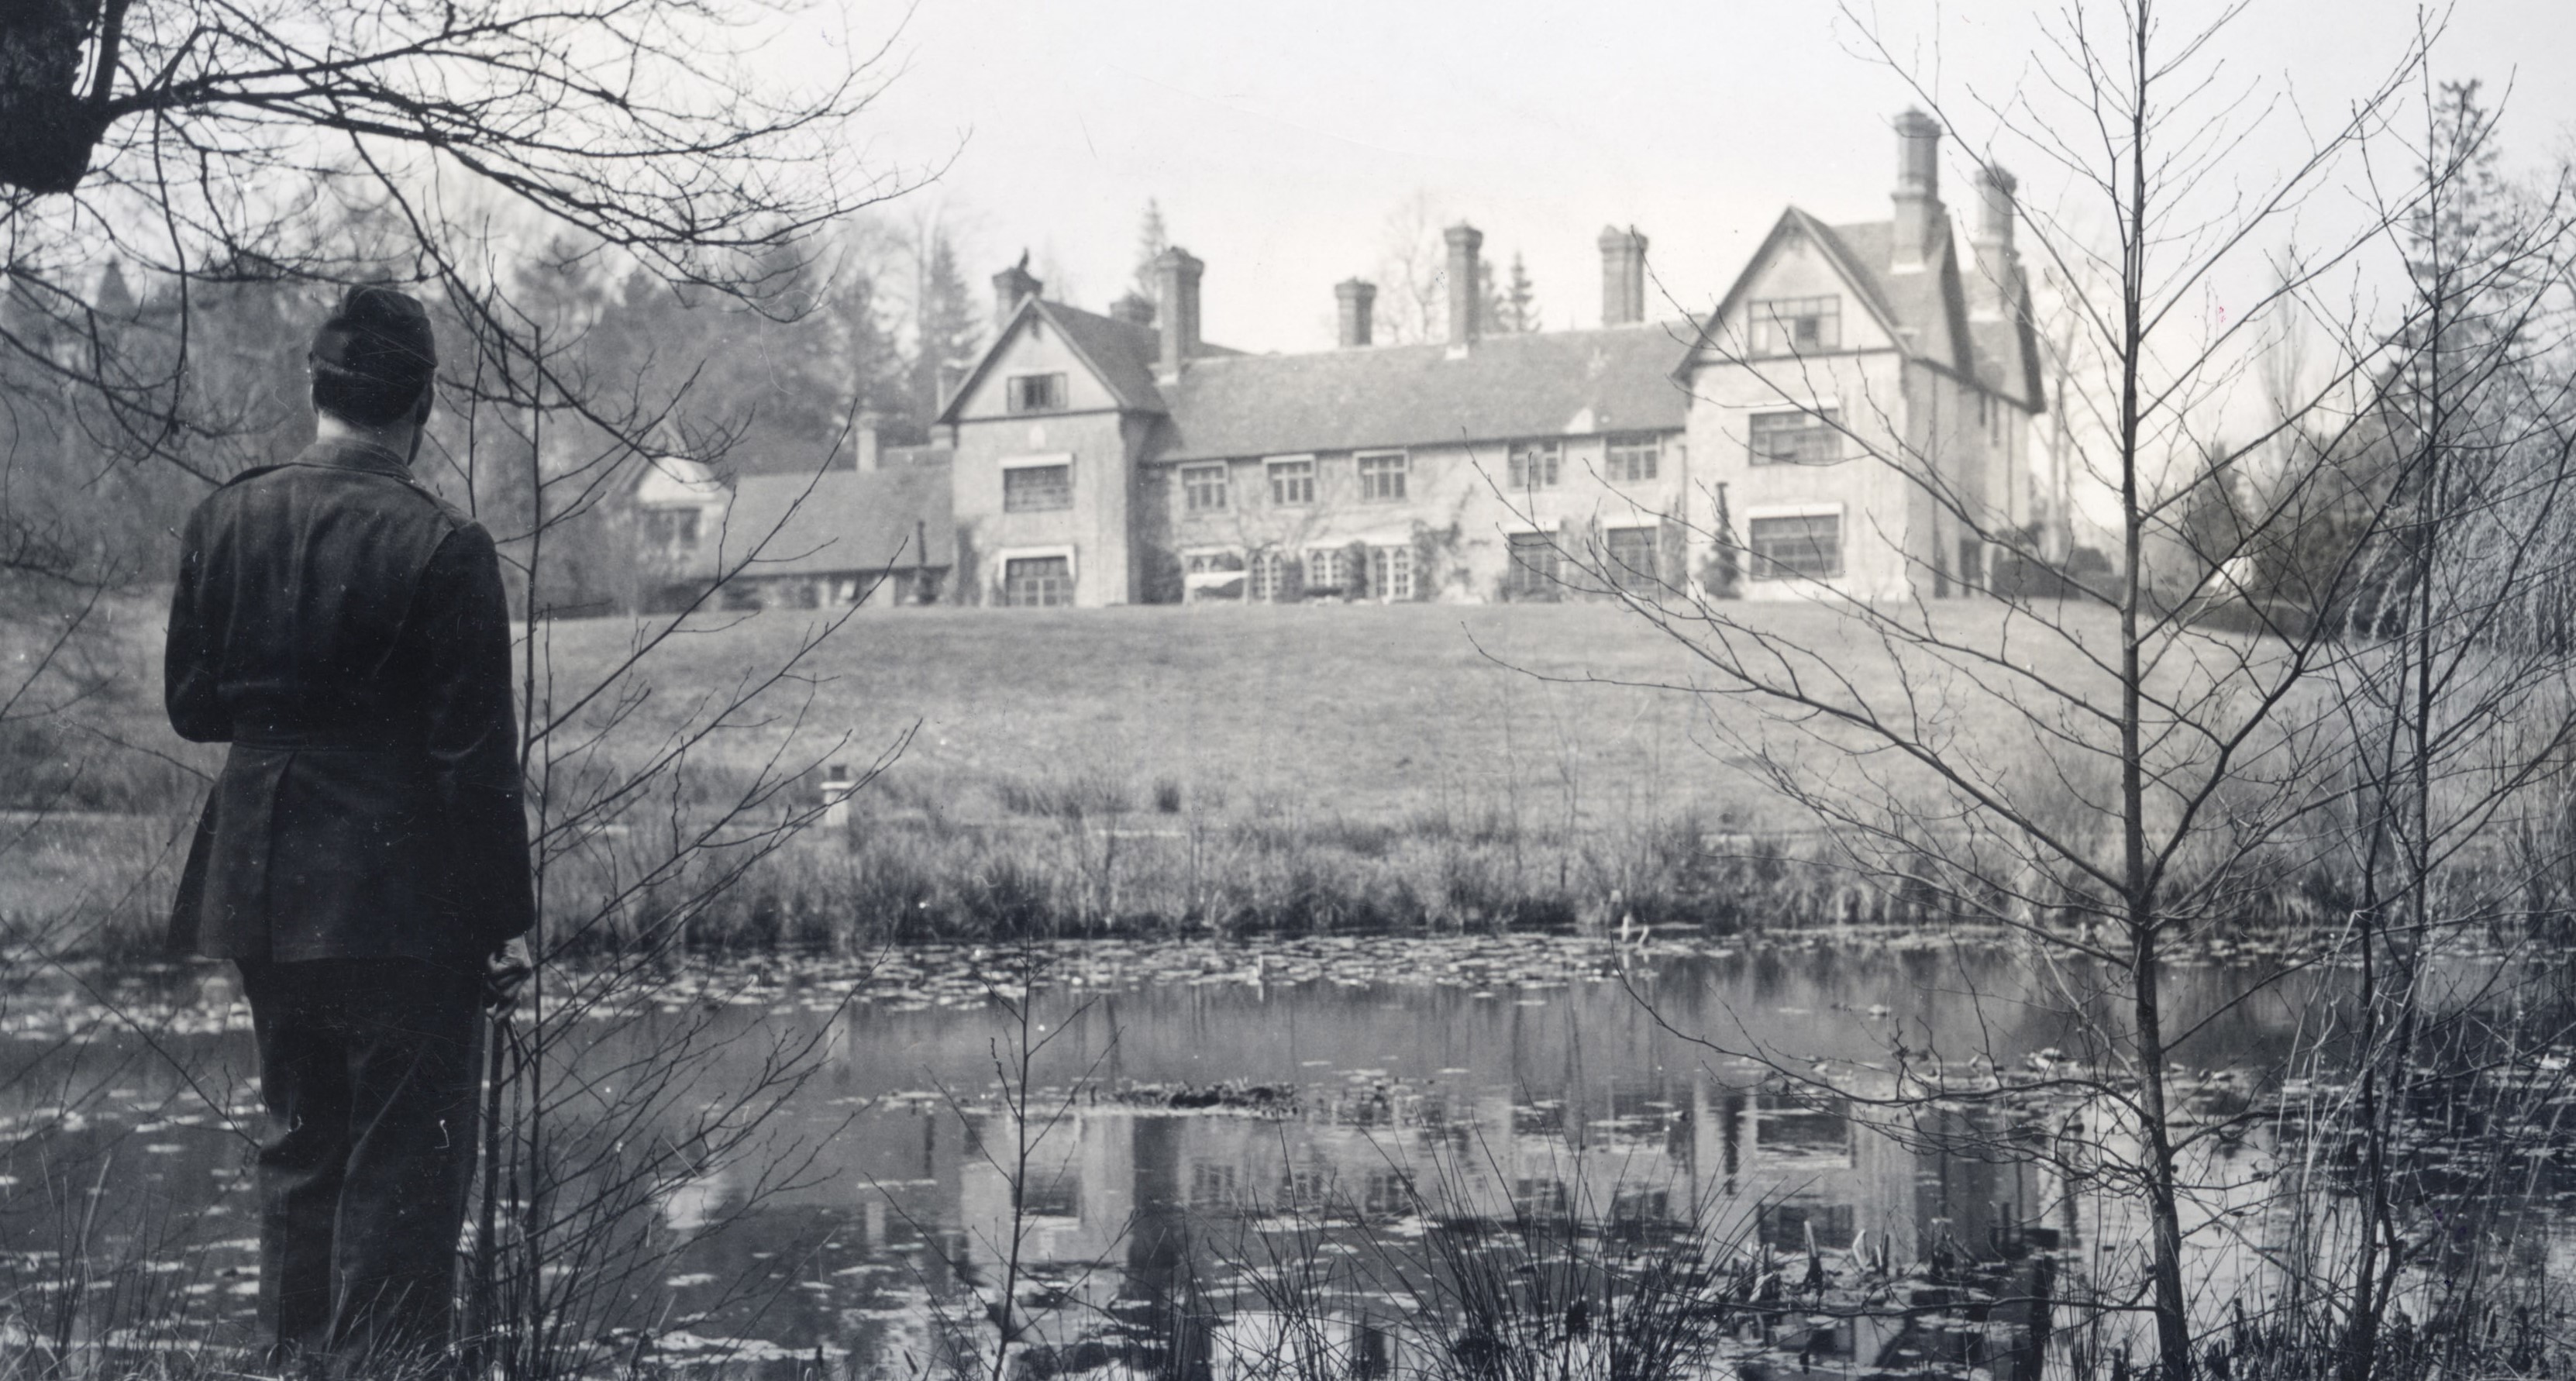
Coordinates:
1215 1147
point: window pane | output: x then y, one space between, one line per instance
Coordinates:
1533 571
1292 483
1276 576
1037 581
1634 458
1796 325
1631 553
1796 438
1809 545
1534 464
1391 572
1035 488
675 528
1037 393
1203 487
1381 478
1327 570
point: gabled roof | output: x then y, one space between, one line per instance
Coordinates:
1505 386
1909 306
675 479
2008 350
843 521
1121 354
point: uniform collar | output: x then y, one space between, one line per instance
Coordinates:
347 454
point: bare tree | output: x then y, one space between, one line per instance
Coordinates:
2454 701
645 824
1412 273
211 144
2164 772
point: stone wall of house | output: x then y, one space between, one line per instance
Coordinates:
1319 526
1087 435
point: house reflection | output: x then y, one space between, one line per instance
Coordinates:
1177 1232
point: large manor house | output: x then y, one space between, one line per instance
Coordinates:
1851 417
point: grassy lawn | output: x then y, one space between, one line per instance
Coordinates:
1547 713
1365 765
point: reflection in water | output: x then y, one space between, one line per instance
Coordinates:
1413 1134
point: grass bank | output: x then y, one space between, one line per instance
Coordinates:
1118 770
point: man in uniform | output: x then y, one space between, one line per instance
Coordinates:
363 857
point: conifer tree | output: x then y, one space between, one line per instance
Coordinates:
946 333
1152 238
1520 298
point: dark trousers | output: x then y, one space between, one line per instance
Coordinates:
367 1067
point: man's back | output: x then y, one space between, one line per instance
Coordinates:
346 632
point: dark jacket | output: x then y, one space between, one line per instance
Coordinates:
345 631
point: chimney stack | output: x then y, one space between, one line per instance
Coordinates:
1466 284
1623 276
1996 262
1918 190
1011 287
871 447
1176 279
1358 299
1995 189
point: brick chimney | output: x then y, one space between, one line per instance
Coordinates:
1996 262
1011 287
1623 276
1918 191
1176 281
1466 284
1358 300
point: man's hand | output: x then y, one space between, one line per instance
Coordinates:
504 973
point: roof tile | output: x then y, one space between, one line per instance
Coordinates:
1538 384
844 520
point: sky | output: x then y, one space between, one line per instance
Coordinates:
1280 138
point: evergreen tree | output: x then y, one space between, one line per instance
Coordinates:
2480 406
1520 299
867 356
946 330
1151 240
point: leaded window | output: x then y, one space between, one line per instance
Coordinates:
1037 393
1036 488
1808 545
1535 464
1797 438
1797 325
1533 573
1633 459
1382 477
1391 572
1292 483
1203 487
1036 582
1631 553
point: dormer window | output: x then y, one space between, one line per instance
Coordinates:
1036 393
672 529
1797 325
